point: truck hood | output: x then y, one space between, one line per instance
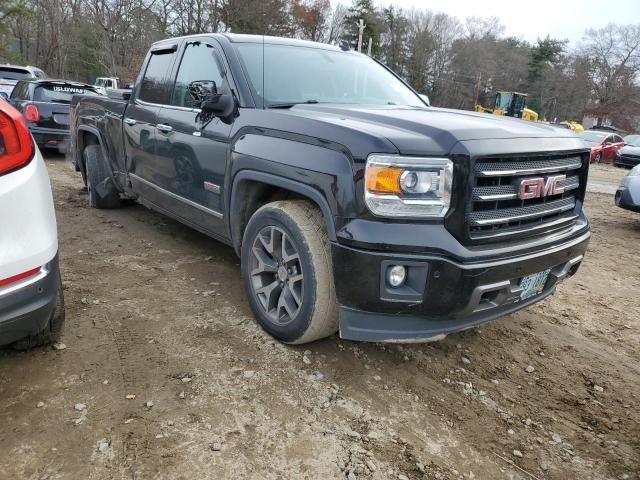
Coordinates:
419 131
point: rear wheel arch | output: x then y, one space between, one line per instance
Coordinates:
86 136
103 193
253 189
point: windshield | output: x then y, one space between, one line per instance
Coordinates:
593 136
10 73
60 93
503 100
104 82
294 74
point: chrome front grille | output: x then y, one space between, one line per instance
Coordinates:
496 210
526 167
510 192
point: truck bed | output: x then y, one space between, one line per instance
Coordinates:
100 116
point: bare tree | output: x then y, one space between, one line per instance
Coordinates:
311 18
478 28
336 24
436 53
613 54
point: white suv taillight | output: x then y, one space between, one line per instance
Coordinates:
16 147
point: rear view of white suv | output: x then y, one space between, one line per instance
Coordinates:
31 300
10 75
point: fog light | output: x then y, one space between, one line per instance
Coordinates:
396 275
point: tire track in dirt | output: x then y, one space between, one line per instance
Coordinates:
133 351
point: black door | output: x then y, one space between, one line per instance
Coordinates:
141 117
191 146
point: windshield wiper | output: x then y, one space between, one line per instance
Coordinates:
291 104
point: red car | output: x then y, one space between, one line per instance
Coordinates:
604 145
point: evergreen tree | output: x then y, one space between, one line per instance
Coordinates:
365 10
8 10
544 53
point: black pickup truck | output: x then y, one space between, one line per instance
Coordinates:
353 205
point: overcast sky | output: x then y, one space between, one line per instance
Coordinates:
536 18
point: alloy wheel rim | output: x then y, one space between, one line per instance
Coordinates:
276 275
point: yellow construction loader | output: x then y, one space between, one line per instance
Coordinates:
573 125
514 104
510 104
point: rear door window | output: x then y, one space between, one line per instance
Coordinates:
155 87
60 93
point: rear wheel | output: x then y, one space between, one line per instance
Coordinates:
287 272
51 332
102 191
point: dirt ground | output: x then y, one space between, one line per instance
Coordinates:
156 310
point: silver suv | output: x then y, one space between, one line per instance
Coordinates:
11 74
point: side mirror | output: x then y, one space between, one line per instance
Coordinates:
425 99
212 102
119 94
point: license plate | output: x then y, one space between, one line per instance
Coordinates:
533 285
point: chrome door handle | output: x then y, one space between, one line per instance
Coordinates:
129 121
164 128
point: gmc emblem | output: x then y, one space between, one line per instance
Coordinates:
539 187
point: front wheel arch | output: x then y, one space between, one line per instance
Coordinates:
274 188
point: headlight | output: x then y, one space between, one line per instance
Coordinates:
408 186
635 171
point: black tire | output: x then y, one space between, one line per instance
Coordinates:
102 191
305 309
598 158
51 332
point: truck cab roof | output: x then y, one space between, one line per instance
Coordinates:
248 38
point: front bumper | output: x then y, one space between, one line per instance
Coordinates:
628 194
443 295
51 138
26 306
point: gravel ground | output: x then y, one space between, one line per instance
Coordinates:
605 178
166 375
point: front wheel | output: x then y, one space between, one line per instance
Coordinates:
598 158
287 272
